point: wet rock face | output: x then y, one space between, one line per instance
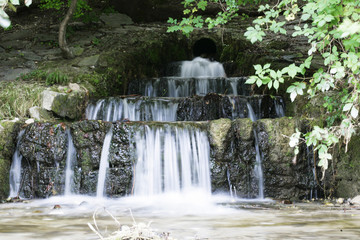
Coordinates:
233 158
43 148
284 177
120 174
8 134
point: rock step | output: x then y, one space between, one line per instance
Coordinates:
196 108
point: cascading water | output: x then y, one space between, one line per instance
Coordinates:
132 109
15 169
258 163
202 67
171 159
70 162
104 164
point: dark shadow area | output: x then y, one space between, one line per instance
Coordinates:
205 47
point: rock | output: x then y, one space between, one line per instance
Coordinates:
116 20
15 44
30 121
283 180
2 50
218 131
48 98
20 34
89 61
355 200
39 113
12 74
74 87
71 105
28 55
77 51
8 131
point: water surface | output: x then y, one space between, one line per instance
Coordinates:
183 217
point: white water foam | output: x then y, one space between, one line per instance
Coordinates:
15 169
258 163
202 67
70 162
104 164
171 160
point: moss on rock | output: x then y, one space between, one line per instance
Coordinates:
219 130
7 147
348 170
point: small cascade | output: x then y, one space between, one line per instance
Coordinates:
279 107
104 164
70 162
15 169
133 109
202 67
258 163
185 87
171 159
258 168
313 194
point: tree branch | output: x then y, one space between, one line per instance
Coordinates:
67 53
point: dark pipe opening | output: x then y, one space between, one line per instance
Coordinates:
205 48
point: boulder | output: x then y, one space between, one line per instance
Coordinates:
90 61
116 20
71 105
39 113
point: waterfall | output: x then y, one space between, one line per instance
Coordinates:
279 107
258 163
202 67
15 169
133 109
104 164
171 159
70 162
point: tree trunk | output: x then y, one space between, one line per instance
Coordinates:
67 53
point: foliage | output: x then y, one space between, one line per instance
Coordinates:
333 31
81 9
56 77
15 101
4 18
229 9
332 28
36 75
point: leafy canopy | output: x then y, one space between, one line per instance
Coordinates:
332 29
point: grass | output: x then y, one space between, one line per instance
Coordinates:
16 97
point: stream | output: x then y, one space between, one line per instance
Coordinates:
213 218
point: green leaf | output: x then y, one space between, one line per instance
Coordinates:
251 80
258 67
354 112
276 84
258 82
347 107
266 66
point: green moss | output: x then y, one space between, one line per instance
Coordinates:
7 142
243 128
218 131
